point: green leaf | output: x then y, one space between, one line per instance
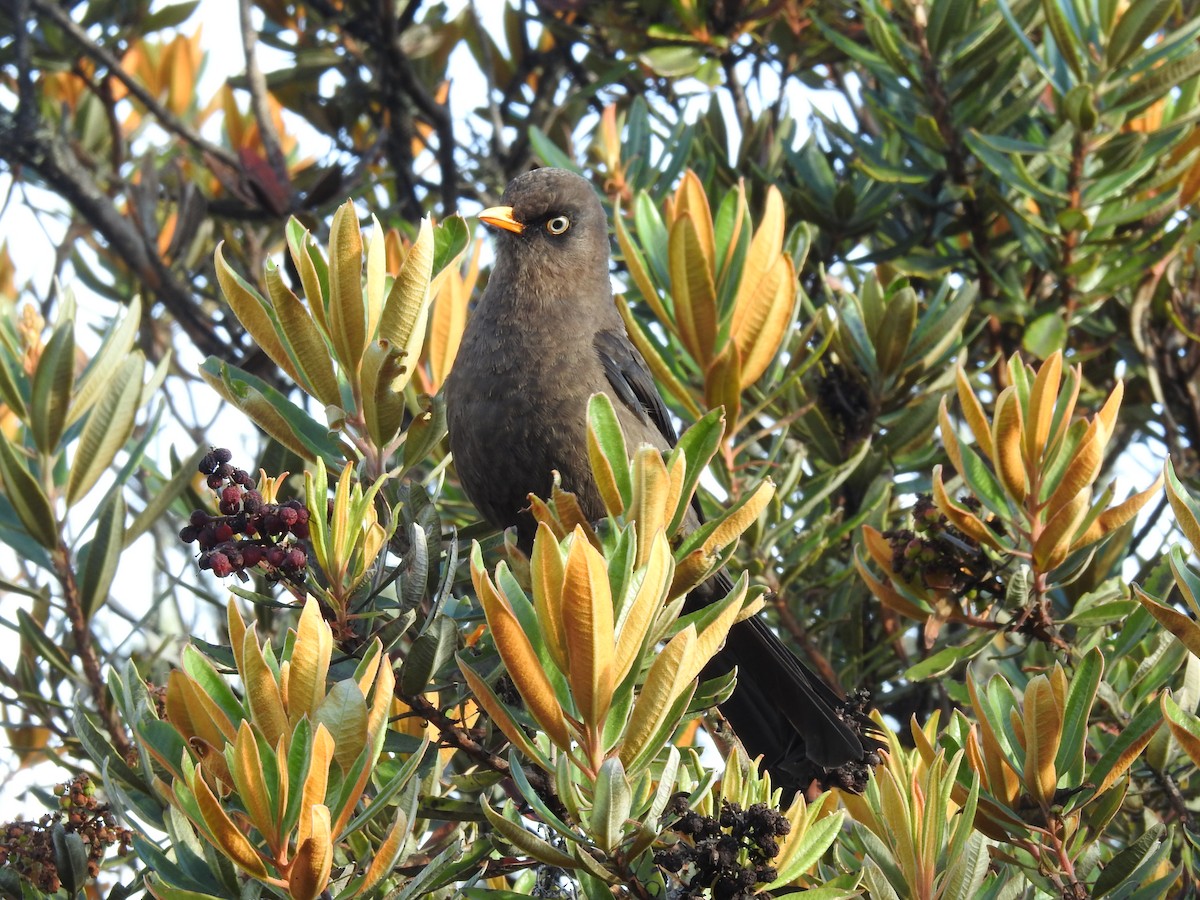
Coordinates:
425 432
1115 760
1121 866
171 16
10 393
948 658
273 412
549 152
99 557
344 713
1137 23
612 802
27 498
698 445
526 841
817 839
97 377
1064 35
429 653
604 425
163 496
450 238
49 651
1044 335
70 858
672 61
1080 697
97 745
52 382
1160 81
108 427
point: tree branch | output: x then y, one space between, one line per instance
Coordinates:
166 119
257 85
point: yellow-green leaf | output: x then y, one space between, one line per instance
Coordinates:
300 244
1179 624
664 683
651 495
973 412
347 312
547 574
519 657
1081 471
1054 543
663 375
376 276
407 308
1006 444
309 351
228 838
250 781
690 198
1043 730
741 518
723 385
262 690
344 713
693 290
309 663
1182 505
1185 727
637 269
316 781
113 353
383 406
651 582
387 856
527 842
1042 397
962 519
251 311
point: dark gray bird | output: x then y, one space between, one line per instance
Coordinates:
543 338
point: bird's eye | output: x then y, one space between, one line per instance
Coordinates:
558 224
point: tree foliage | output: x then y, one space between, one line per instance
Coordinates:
932 352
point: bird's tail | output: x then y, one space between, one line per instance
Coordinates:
784 712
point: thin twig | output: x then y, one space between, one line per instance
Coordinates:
257 83
85 649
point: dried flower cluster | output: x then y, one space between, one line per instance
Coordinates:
249 531
936 554
726 856
28 847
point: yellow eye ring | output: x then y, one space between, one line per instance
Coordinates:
558 224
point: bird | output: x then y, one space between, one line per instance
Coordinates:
544 336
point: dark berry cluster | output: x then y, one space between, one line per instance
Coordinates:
726 856
27 848
939 556
247 532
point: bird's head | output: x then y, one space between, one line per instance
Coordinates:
550 222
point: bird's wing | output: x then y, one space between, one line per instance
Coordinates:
631 381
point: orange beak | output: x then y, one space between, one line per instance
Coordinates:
501 217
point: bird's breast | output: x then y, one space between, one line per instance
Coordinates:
517 409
